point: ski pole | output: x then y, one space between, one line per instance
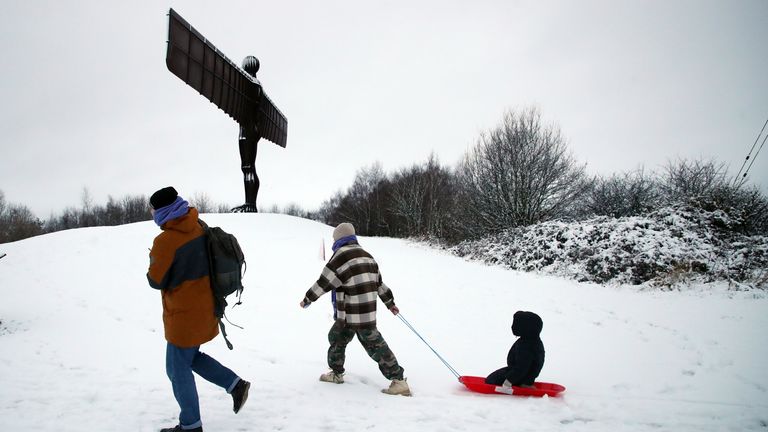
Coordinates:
400 315
3 255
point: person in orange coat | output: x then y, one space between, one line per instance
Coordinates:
178 267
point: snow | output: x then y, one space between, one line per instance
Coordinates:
81 343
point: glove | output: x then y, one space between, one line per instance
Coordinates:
394 310
304 304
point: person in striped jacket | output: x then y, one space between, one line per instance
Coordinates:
353 278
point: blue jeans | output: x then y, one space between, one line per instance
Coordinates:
179 365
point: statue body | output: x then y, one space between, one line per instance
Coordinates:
247 143
235 90
249 138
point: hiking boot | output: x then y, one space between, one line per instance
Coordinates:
178 428
332 377
240 395
398 387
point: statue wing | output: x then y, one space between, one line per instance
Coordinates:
195 60
271 122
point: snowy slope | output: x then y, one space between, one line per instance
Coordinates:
81 344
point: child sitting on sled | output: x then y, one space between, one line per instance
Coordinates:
526 357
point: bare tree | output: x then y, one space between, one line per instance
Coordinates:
202 202
136 209
273 209
17 222
422 200
628 194
519 173
294 209
86 200
88 216
685 179
327 212
113 212
362 203
407 201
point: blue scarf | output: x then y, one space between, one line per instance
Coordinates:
343 242
173 210
336 245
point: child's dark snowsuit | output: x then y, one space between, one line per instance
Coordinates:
526 357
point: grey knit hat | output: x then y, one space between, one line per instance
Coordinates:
345 229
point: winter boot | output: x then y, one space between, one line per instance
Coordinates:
240 394
178 428
332 377
398 387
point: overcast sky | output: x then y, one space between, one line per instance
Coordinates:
87 100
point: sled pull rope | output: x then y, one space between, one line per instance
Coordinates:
453 371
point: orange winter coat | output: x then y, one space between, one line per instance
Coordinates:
178 267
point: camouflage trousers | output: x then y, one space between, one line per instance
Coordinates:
340 336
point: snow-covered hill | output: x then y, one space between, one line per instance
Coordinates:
671 247
81 344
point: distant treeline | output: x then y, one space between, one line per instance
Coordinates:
520 173
517 174
18 222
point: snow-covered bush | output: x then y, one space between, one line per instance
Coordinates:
665 248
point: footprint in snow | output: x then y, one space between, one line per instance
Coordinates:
576 420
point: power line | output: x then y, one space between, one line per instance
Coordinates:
750 150
756 153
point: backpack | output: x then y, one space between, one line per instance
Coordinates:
226 264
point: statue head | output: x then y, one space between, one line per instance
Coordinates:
251 65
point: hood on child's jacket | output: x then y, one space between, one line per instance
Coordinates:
526 324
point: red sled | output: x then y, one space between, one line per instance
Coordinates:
539 389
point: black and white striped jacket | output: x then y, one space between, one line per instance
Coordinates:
354 275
